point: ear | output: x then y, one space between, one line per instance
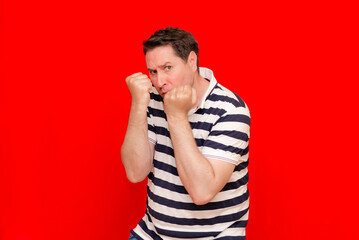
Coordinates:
192 60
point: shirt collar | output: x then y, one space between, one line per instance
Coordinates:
208 74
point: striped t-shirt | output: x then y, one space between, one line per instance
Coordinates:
220 126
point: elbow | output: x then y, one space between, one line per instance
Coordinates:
202 199
136 171
133 175
201 194
134 178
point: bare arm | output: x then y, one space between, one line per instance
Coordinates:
136 150
203 178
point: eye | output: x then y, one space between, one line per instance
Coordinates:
152 72
168 68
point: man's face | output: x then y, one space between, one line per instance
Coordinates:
167 70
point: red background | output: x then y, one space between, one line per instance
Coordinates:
64 107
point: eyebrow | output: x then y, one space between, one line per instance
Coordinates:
161 66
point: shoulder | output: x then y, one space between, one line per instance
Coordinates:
228 100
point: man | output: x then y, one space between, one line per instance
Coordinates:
189 135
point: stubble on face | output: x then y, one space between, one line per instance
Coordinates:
167 70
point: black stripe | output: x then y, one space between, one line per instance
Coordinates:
199 111
201 125
214 97
239 100
226 148
235 118
165 167
164 149
239 224
234 134
157 112
167 185
185 235
211 92
191 206
162 131
199 142
195 221
217 87
237 184
241 166
156 97
151 128
245 151
143 225
213 111
152 234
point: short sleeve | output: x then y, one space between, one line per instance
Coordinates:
228 139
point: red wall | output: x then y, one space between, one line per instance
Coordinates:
64 107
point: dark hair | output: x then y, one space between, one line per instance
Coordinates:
181 41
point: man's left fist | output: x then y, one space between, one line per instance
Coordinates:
179 101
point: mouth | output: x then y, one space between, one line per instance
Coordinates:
163 92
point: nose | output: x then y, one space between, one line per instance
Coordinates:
161 79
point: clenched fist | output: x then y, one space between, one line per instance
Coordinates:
140 86
179 101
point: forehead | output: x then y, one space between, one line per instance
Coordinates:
160 55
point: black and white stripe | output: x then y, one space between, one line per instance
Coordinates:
220 127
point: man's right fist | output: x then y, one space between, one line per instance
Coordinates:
140 86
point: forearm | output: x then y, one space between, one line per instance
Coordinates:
195 171
136 154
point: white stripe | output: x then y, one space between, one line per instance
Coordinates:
200 214
238 175
210 118
160 121
230 126
233 232
165 158
141 232
220 158
227 195
200 133
221 155
228 140
168 194
169 177
244 157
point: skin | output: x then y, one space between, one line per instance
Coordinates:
182 88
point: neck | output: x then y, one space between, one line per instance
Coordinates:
201 86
